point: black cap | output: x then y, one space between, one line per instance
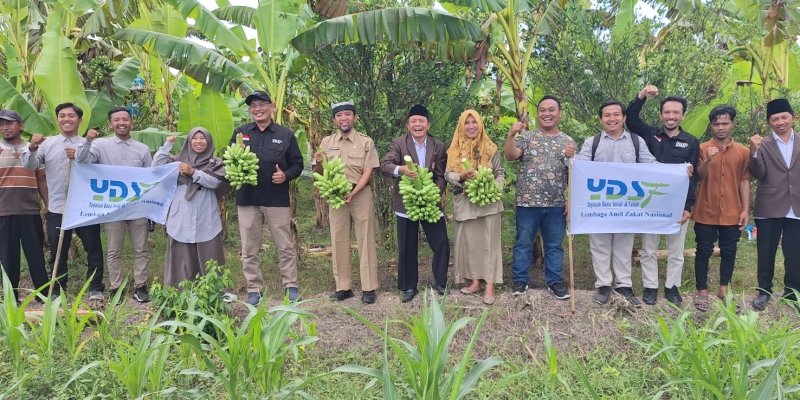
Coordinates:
345 105
10 115
419 109
258 94
778 106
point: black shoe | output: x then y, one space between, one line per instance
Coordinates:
760 302
673 295
602 295
342 295
440 289
650 296
519 288
558 290
141 295
121 296
628 294
368 296
789 295
408 295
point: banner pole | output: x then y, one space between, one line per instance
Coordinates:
61 234
569 241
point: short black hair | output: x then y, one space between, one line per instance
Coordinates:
677 99
548 97
119 109
69 105
611 103
719 111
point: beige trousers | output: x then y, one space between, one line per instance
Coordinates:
608 247
362 212
675 244
115 238
251 224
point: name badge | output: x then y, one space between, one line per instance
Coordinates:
681 144
277 141
333 148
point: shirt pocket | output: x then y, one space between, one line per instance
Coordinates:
628 157
275 152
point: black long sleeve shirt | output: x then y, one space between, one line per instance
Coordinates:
682 148
275 145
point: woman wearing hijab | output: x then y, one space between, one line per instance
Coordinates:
478 253
193 224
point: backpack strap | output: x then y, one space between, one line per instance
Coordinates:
636 145
595 143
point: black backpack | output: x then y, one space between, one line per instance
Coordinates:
596 142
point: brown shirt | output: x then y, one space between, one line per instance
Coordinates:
19 187
357 151
718 199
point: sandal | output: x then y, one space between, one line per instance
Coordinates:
488 300
467 291
701 302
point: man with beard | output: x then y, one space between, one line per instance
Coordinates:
670 144
774 163
613 144
279 162
723 202
429 153
121 150
55 153
357 152
541 202
20 218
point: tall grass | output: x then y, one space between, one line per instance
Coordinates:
425 374
725 357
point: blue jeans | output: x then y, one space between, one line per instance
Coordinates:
554 227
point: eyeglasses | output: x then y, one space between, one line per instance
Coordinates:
256 106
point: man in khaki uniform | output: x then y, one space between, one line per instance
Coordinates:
358 153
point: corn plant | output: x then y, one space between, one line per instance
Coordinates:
72 325
248 360
44 331
424 366
724 357
13 329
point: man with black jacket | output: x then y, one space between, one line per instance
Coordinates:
670 144
279 161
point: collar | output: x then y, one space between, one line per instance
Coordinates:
350 136
66 139
624 135
682 134
424 142
118 140
268 128
778 139
713 141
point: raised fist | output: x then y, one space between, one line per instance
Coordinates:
91 134
648 91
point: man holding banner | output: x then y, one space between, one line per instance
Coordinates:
121 150
669 144
54 153
613 145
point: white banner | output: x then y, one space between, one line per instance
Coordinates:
627 197
108 193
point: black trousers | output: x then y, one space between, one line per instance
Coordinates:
408 243
90 236
706 236
770 232
27 230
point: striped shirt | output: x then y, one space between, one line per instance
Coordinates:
19 189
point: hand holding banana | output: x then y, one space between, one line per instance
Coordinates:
482 189
333 184
240 164
420 195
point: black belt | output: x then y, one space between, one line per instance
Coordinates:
457 191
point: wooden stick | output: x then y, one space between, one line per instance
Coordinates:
61 234
569 241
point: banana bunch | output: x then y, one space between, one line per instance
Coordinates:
420 195
482 189
333 184
240 164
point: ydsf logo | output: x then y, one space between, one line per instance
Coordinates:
616 190
118 191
